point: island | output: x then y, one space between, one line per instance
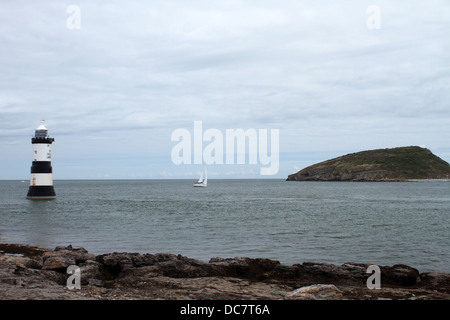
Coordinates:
393 164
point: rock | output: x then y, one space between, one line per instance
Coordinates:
62 257
54 276
59 264
28 251
26 262
355 274
316 292
348 273
80 255
169 276
112 264
399 274
250 268
182 267
163 263
90 272
437 280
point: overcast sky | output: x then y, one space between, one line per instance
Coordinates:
113 90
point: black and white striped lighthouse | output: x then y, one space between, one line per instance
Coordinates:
41 182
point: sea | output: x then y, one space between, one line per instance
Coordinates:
383 223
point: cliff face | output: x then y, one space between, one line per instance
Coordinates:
396 164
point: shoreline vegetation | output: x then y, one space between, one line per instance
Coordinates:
33 273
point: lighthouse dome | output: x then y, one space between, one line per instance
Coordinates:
41 132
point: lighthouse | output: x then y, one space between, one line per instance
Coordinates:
41 182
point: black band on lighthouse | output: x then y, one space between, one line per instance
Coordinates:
42 140
41 167
41 192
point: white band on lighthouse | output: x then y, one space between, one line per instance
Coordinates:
41 152
41 179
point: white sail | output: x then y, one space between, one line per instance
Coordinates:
202 182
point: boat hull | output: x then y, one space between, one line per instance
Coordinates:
199 185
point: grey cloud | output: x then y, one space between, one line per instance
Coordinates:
141 70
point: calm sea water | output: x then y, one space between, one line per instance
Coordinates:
293 222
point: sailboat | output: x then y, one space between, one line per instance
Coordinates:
202 182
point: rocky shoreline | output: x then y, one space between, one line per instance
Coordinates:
32 273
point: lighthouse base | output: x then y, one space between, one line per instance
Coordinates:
41 193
